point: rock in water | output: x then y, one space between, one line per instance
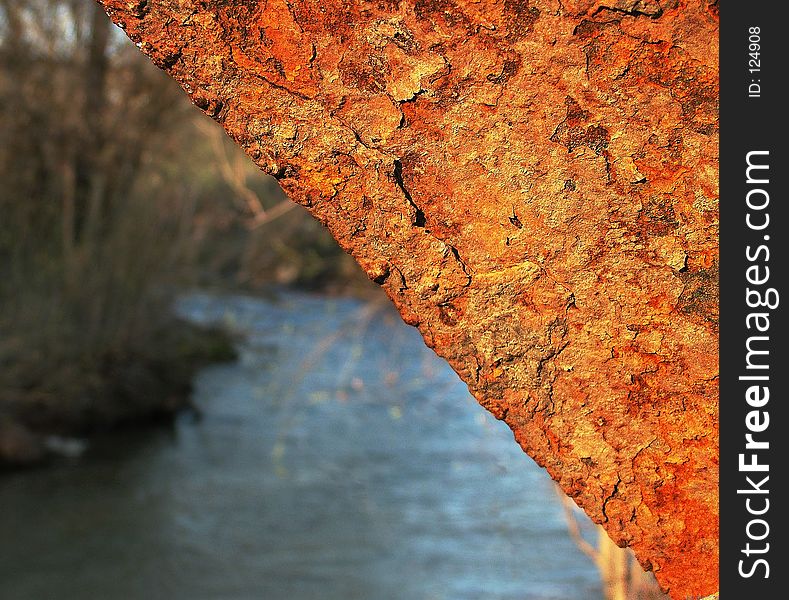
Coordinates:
534 184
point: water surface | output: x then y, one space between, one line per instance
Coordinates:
337 459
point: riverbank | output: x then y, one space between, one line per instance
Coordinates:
53 410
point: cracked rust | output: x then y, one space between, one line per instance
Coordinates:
534 184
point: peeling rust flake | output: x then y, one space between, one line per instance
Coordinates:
538 186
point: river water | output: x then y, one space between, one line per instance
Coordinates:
338 458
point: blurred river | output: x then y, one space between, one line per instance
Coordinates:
339 458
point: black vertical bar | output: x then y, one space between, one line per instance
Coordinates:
752 78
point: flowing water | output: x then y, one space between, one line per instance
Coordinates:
338 458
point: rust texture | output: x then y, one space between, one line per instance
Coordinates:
534 184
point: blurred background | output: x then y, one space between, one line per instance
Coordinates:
202 396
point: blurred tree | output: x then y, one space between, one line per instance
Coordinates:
77 111
116 194
82 116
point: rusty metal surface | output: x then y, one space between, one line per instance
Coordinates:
534 184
